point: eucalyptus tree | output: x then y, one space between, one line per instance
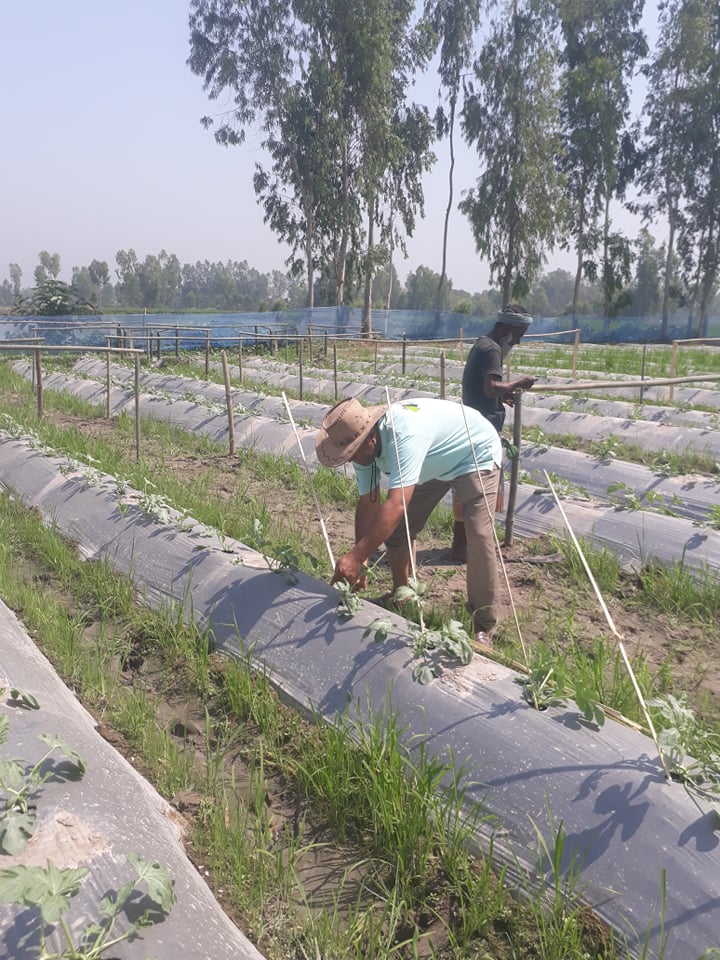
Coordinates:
100 276
454 23
646 291
81 283
671 75
16 273
393 194
325 81
48 268
421 290
290 190
516 207
390 137
127 273
699 239
602 44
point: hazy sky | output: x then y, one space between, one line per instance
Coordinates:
103 149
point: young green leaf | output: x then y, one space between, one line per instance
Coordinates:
49 888
57 743
16 827
380 628
11 774
27 699
160 885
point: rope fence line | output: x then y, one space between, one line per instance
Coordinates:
156 338
150 341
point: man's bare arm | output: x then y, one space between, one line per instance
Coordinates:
377 524
505 389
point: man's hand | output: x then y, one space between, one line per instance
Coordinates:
522 383
352 569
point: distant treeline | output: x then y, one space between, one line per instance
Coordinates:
161 283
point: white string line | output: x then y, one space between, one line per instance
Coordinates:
402 484
495 536
312 485
609 619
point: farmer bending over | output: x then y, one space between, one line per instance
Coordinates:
424 448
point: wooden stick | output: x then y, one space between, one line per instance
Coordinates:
590 385
612 626
229 403
514 469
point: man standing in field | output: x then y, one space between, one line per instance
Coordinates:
483 389
425 447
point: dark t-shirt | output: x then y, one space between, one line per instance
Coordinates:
486 356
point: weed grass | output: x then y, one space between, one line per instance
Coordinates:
237 514
363 783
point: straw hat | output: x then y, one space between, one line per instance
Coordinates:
343 430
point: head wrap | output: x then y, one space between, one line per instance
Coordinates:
514 316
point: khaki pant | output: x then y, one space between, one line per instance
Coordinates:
478 495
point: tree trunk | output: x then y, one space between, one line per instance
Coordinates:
672 208
702 319
309 266
367 302
666 279
606 267
443 272
341 260
507 272
309 232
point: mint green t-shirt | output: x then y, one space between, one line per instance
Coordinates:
432 439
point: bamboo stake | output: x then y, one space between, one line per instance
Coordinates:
136 360
312 485
619 384
300 367
612 626
39 383
514 469
642 371
576 347
107 375
229 403
673 366
34 364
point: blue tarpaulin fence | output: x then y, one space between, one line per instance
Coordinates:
333 321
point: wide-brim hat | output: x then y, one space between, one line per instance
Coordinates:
344 429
